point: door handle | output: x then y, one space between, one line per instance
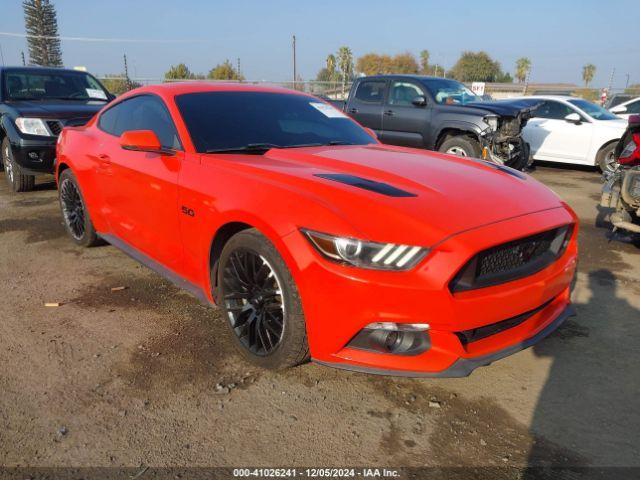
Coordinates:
353 110
389 113
104 159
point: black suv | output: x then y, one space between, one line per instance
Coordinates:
441 114
35 105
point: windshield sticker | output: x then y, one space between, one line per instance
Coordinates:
327 110
95 93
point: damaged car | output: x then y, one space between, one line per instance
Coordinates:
443 115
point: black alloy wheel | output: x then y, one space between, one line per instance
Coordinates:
253 300
72 208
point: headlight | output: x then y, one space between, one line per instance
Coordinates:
33 126
360 253
492 121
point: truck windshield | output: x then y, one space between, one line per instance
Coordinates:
449 92
64 85
232 121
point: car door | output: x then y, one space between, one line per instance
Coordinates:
404 123
140 189
366 104
553 138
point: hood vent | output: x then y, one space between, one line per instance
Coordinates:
359 182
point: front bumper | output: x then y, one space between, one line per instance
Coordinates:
340 301
35 155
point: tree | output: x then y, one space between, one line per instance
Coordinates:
523 67
476 67
345 65
179 72
224 71
374 64
588 71
43 40
424 62
404 63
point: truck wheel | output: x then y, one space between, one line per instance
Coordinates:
261 302
605 159
18 182
462 145
74 211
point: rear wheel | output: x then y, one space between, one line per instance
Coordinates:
462 146
18 181
74 211
261 302
606 159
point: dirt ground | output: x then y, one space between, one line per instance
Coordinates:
146 375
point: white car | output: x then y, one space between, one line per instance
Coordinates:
628 108
572 130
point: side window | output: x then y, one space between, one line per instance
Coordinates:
371 91
145 112
633 107
553 110
403 93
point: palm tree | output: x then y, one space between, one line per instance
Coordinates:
331 66
523 66
345 64
588 71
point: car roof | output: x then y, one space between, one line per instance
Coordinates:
631 100
551 97
179 88
33 68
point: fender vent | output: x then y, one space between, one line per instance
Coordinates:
370 185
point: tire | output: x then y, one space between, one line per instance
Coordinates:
605 158
261 302
461 145
74 211
18 182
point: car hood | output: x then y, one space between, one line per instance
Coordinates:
507 108
425 196
58 109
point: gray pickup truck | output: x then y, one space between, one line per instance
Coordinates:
441 114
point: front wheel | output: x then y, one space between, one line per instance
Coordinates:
18 181
261 302
462 146
606 159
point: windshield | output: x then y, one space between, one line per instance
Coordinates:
449 92
63 85
593 110
245 120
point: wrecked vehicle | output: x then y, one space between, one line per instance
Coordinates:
621 190
443 115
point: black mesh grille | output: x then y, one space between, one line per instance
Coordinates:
513 260
55 126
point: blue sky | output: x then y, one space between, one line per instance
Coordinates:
558 36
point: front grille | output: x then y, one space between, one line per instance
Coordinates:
475 334
510 261
55 126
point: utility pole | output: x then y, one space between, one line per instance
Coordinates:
24 63
1 55
126 73
238 68
611 79
295 73
627 84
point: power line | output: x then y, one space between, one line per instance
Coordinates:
94 39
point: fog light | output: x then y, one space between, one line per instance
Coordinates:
395 338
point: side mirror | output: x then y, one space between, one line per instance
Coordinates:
419 101
618 109
143 141
573 118
370 132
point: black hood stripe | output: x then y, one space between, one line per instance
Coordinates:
365 184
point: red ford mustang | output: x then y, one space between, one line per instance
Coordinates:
316 240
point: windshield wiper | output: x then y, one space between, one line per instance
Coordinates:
320 144
257 148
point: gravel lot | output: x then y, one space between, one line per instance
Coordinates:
145 375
